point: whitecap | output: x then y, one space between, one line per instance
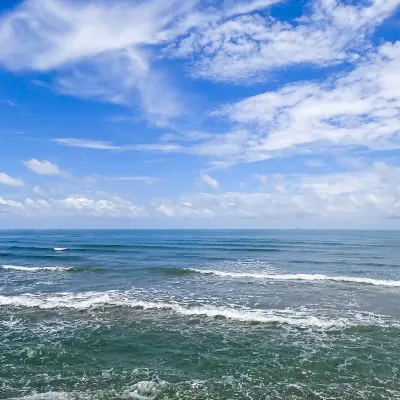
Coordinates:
60 248
51 396
300 318
143 390
35 269
296 277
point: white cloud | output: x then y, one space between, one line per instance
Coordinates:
361 108
9 181
244 7
373 193
185 209
86 143
43 35
42 167
98 48
240 48
208 180
73 206
166 210
100 145
370 194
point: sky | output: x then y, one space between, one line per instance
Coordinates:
200 114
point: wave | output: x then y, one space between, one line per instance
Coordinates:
298 318
44 269
174 271
60 249
35 269
143 390
295 277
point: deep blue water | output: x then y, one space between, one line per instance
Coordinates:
184 314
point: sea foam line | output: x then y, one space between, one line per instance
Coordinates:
60 249
300 318
36 269
143 390
296 277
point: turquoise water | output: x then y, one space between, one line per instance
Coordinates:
199 315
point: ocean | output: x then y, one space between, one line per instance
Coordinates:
199 314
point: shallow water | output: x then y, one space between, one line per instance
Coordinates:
199 315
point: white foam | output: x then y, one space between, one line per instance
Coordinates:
301 318
60 249
35 269
296 277
144 390
50 396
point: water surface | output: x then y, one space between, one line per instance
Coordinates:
199 314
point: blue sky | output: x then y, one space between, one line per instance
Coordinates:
200 114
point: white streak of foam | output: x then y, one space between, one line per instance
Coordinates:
60 249
53 396
144 390
35 269
296 277
292 317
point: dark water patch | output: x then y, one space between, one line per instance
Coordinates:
31 248
104 246
100 250
348 262
56 257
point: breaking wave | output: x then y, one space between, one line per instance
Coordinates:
300 318
143 390
50 269
295 277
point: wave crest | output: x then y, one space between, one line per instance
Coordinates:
49 269
300 318
295 277
36 269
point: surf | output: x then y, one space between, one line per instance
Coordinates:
31 269
294 277
294 317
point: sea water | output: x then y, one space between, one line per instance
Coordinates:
185 314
